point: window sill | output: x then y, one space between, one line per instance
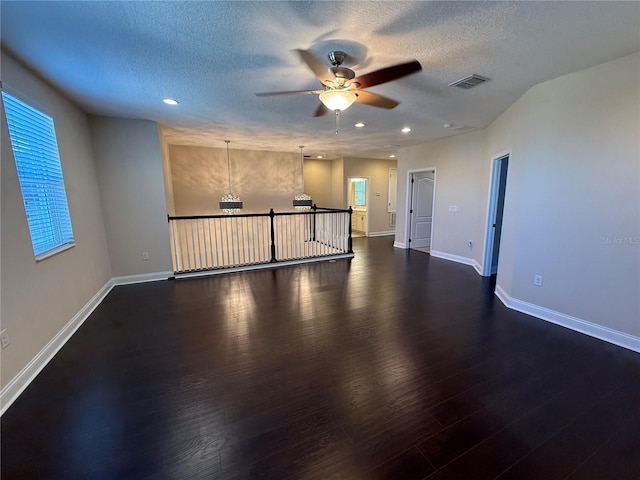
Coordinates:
54 251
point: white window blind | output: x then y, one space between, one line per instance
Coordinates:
35 150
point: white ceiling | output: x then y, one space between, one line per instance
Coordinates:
121 59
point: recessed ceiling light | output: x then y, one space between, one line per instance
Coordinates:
359 124
319 156
406 130
170 101
447 125
392 156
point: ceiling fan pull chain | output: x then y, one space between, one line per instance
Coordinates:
337 121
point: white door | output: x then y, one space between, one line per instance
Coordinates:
421 209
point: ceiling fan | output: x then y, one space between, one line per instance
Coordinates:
341 87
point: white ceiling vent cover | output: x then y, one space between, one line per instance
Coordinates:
469 82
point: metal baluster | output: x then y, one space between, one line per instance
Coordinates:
244 244
225 242
290 238
192 260
201 252
210 249
215 241
234 241
273 234
252 239
173 247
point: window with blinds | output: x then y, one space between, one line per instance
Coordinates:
35 151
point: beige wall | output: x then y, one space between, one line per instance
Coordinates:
263 180
574 186
338 182
170 203
459 165
377 170
317 181
129 167
573 192
39 299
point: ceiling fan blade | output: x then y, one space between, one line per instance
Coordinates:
375 100
288 92
320 70
387 74
321 110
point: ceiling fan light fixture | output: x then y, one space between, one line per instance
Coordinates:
337 99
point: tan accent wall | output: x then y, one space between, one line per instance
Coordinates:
263 180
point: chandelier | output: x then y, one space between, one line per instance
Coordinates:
302 201
230 203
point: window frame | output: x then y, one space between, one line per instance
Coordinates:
61 229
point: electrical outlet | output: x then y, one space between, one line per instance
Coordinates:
537 280
145 255
4 339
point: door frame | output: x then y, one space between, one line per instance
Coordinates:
368 195
408 199
492 205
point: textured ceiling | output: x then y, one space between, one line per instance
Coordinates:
121 58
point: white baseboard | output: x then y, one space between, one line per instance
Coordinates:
598 331
458 259
399 245
263 266
141 278
382 234
17 385
477 267
21 381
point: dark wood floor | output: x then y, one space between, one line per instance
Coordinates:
394 365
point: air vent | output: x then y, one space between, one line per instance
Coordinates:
464 128
469 82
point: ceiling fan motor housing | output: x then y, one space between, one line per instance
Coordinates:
343 72
336 58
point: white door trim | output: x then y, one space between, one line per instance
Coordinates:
368 193
407 204
492 199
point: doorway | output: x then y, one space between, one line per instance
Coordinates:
358 194
495 212
421 210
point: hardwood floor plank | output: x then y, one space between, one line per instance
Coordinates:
409 465
392 366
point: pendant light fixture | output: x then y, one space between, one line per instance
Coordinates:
230 203
302 201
